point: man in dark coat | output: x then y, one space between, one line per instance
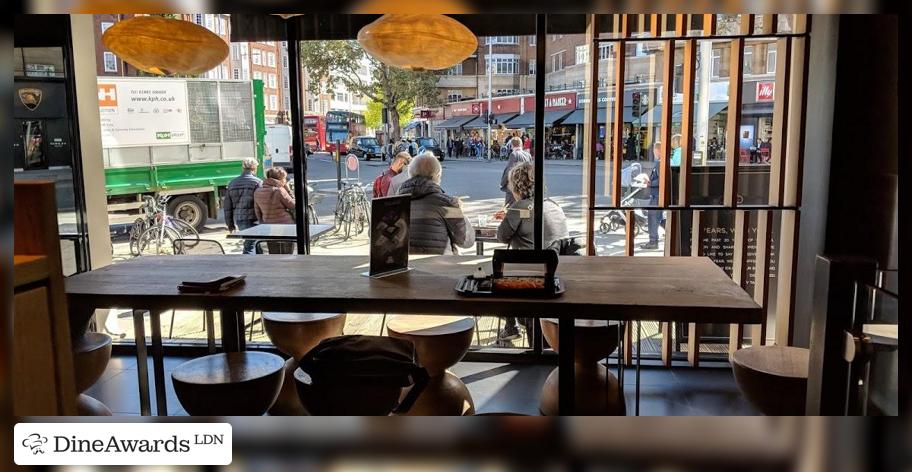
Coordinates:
238 203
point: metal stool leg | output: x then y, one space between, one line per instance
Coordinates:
382 324
171 328
477 334
209 320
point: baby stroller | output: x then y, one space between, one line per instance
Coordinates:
617 219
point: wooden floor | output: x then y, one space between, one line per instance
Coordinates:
188 325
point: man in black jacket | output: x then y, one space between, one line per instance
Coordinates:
238 205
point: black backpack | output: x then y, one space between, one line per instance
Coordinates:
358 360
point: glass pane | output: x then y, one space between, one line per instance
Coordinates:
710 109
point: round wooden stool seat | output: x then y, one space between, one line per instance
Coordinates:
773 378
91 354
295 334
440 342
597 390
234 383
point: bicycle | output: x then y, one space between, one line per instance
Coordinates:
156 232
352 209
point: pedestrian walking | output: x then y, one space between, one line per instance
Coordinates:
517 156
238 204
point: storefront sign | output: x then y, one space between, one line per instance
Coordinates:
765 91
143 112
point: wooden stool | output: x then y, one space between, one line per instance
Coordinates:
440 342
773 378
230 384
597 389
295 334
91 354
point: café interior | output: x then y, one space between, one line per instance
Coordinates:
782 304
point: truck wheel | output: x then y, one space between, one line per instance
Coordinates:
191 209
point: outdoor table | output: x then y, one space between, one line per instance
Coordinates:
278 232
670 289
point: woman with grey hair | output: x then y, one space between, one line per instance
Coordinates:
516 229
437 224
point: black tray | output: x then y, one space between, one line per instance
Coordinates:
471 287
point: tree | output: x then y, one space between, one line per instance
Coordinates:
331 63
374 115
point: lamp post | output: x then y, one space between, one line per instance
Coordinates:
490 75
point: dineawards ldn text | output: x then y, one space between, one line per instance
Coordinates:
115 445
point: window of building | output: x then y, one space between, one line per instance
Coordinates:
110 62
105 25
504 64
502 40
223 72
582 54
257 75
223 26
285 60
341 96
454 96
287 103
531 66
716 62
236 52
285 83
532 40
748 59
210 22
273 102
771 59
603 51
272 81
256 57
198 19
455 70
557 61
270 59
236 73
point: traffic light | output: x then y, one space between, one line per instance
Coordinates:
635 105
384 115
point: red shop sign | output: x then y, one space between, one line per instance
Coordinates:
553 101
765 91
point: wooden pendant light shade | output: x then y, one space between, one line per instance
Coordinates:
418 42
165 46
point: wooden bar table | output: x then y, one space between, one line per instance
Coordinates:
668 289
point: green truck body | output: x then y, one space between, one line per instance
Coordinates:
195 175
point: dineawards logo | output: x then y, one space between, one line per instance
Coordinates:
122 444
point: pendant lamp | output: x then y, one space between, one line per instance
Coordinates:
165 46
418 41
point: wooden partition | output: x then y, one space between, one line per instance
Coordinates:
764 233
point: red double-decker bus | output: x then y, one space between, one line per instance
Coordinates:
341 126
314 132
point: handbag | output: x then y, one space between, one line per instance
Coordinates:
366 362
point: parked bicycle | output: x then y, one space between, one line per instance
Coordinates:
156 231
352 210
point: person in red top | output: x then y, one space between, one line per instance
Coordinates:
382 182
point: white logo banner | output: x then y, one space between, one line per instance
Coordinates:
122 444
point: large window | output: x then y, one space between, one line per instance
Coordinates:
531 66
256 56
110 62
557 61
716 62
748 60
502 40
270 59
771 59
105 25
582 54
455 70
272 81
504 64
454 95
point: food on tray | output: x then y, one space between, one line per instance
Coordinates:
519 283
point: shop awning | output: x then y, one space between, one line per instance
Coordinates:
714 109
579 115
411 125
757 109
479 123
527 119
454 122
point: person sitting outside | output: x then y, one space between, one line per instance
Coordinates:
238 203
275 205
438 225
517 229
383 181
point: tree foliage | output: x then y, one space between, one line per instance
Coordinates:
374 115
331 63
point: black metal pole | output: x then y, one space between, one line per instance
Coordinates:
339 166
298 159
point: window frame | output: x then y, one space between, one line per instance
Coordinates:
105 55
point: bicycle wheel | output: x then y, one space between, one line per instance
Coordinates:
136 230
155 242
185 231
